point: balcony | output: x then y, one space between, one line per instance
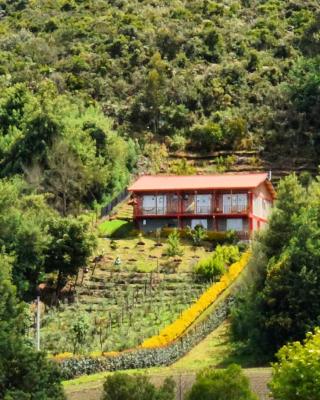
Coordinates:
173 205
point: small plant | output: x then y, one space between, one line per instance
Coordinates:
174 245
79 333
197 235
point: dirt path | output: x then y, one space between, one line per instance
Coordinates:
258 377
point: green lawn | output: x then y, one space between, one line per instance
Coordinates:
107 228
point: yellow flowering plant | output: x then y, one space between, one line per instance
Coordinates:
188 317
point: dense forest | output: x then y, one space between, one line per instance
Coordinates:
197 74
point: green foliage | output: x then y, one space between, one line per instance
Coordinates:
23 232
69 248
229 384
177 72
79 333
127 387
276 310
64 146
24 374
215 265
181 167
145 358
197 235
173 244
296 374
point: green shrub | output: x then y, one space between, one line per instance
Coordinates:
229 384
173 244
296 375
214 266
216 238
197 235
138 387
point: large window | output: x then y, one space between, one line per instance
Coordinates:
203 204
152 204
235 203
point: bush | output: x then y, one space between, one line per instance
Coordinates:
214 267
197 235
173 244
138 387
297 374
229 384
216 238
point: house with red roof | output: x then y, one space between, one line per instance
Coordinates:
239 202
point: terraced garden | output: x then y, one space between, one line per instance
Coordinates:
121 305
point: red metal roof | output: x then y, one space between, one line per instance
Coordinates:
149 183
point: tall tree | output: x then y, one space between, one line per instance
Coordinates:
24 374
69 249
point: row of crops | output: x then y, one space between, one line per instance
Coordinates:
118 310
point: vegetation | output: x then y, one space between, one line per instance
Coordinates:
189 316
221 384
40 239
24 374
214 266
173 244
296 374
112 227
93 92
197 235
126 387
277 310
212 85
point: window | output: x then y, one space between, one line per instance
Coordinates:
235 224
202 222
235 203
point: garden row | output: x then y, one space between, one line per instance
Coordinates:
174 342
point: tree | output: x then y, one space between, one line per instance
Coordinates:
296 375
291 198
24 373
65 177
138 387
69 249
23 231
228 384
275 309
173 244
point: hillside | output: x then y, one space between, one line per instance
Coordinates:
203 75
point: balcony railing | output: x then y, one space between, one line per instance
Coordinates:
195 210
191 204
